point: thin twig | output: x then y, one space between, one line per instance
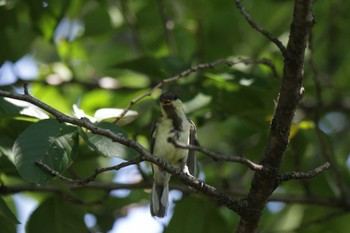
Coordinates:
200 67
112 168
304 175
90 178
219 157
258 28
53 172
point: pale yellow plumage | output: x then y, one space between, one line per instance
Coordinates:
173 124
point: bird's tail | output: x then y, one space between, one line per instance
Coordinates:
159 199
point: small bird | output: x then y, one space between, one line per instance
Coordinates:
173 124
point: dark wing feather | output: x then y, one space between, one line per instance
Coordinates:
191 159
153 139
153 136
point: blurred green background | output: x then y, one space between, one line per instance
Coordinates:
102 54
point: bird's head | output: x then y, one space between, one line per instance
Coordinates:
170 104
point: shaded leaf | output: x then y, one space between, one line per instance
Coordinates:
57 216
7 213
46 15
153 67
207 217
146 65
48 141
107 214
105 146
101 15
7 226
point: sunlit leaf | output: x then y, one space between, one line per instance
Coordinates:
113 113
79 113
8 108
133 80
197 102
294 128
28 109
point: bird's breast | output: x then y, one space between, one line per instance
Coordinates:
165 149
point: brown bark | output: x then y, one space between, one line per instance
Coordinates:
266 181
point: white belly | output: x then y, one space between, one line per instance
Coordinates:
165 149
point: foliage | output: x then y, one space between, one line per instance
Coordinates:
103 54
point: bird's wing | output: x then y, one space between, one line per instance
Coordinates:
191 159
153 136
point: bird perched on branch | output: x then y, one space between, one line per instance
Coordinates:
173 124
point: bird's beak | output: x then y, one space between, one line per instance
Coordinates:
166 102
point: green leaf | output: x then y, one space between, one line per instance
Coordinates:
57 216
145 65
7 108
45 18
48 141
105 146
208 218
7 226
7 213
100 14
157 68
107 213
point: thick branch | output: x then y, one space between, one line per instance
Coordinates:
266 181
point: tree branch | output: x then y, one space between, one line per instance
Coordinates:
219 157
66 191
53 172
266 181
92 177
304 175
257 27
